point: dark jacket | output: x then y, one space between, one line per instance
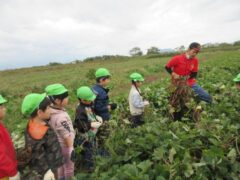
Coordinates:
46 152
101 102
82 122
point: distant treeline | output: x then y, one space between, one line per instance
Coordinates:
155 52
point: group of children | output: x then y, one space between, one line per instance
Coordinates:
52 136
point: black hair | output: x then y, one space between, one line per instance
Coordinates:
135 85
102 78
60 97
42 106
194 45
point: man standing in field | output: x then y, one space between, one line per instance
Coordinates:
186 66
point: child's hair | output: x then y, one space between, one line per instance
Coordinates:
42 106
60 96
134 83
102 78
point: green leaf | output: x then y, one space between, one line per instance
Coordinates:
232 154
172 152
145 166
158 153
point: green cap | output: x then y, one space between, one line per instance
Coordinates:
237 79
55 89
31 102
2 100
136 77
86 93
102 72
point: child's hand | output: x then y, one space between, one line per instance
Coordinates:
99 119
146 103
113 106
49 175
96 124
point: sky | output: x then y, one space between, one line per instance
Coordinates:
36 32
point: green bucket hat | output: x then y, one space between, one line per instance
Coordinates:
55 89
2 100
136 77
31 102
237 79
86 93
102 72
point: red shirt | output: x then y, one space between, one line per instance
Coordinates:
184 67
8 161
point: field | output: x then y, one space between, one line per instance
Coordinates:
162 148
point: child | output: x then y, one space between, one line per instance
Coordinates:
62 125
87 124
136 102
46 154
101 103
237 81
102 107
8 161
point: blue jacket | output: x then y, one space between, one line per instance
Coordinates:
101 102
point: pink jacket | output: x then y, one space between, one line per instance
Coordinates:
62 125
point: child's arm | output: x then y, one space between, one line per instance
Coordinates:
101 107
137 101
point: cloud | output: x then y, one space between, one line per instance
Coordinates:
36 32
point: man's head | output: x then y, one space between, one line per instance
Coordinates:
193 49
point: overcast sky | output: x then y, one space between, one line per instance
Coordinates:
36 32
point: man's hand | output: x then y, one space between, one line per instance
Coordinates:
175 75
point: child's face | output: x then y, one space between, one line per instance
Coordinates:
105 82
86 102
2 111
65 102
44 115
139 83
62 103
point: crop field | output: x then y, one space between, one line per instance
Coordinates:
207 148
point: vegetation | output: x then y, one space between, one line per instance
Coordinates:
208 148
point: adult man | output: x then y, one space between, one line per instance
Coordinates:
186 65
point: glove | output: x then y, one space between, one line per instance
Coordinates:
113 106
99 119
96 124
49 175
146 103
16 177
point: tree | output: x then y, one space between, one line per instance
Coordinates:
136 51
153 51
180 49
236 43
